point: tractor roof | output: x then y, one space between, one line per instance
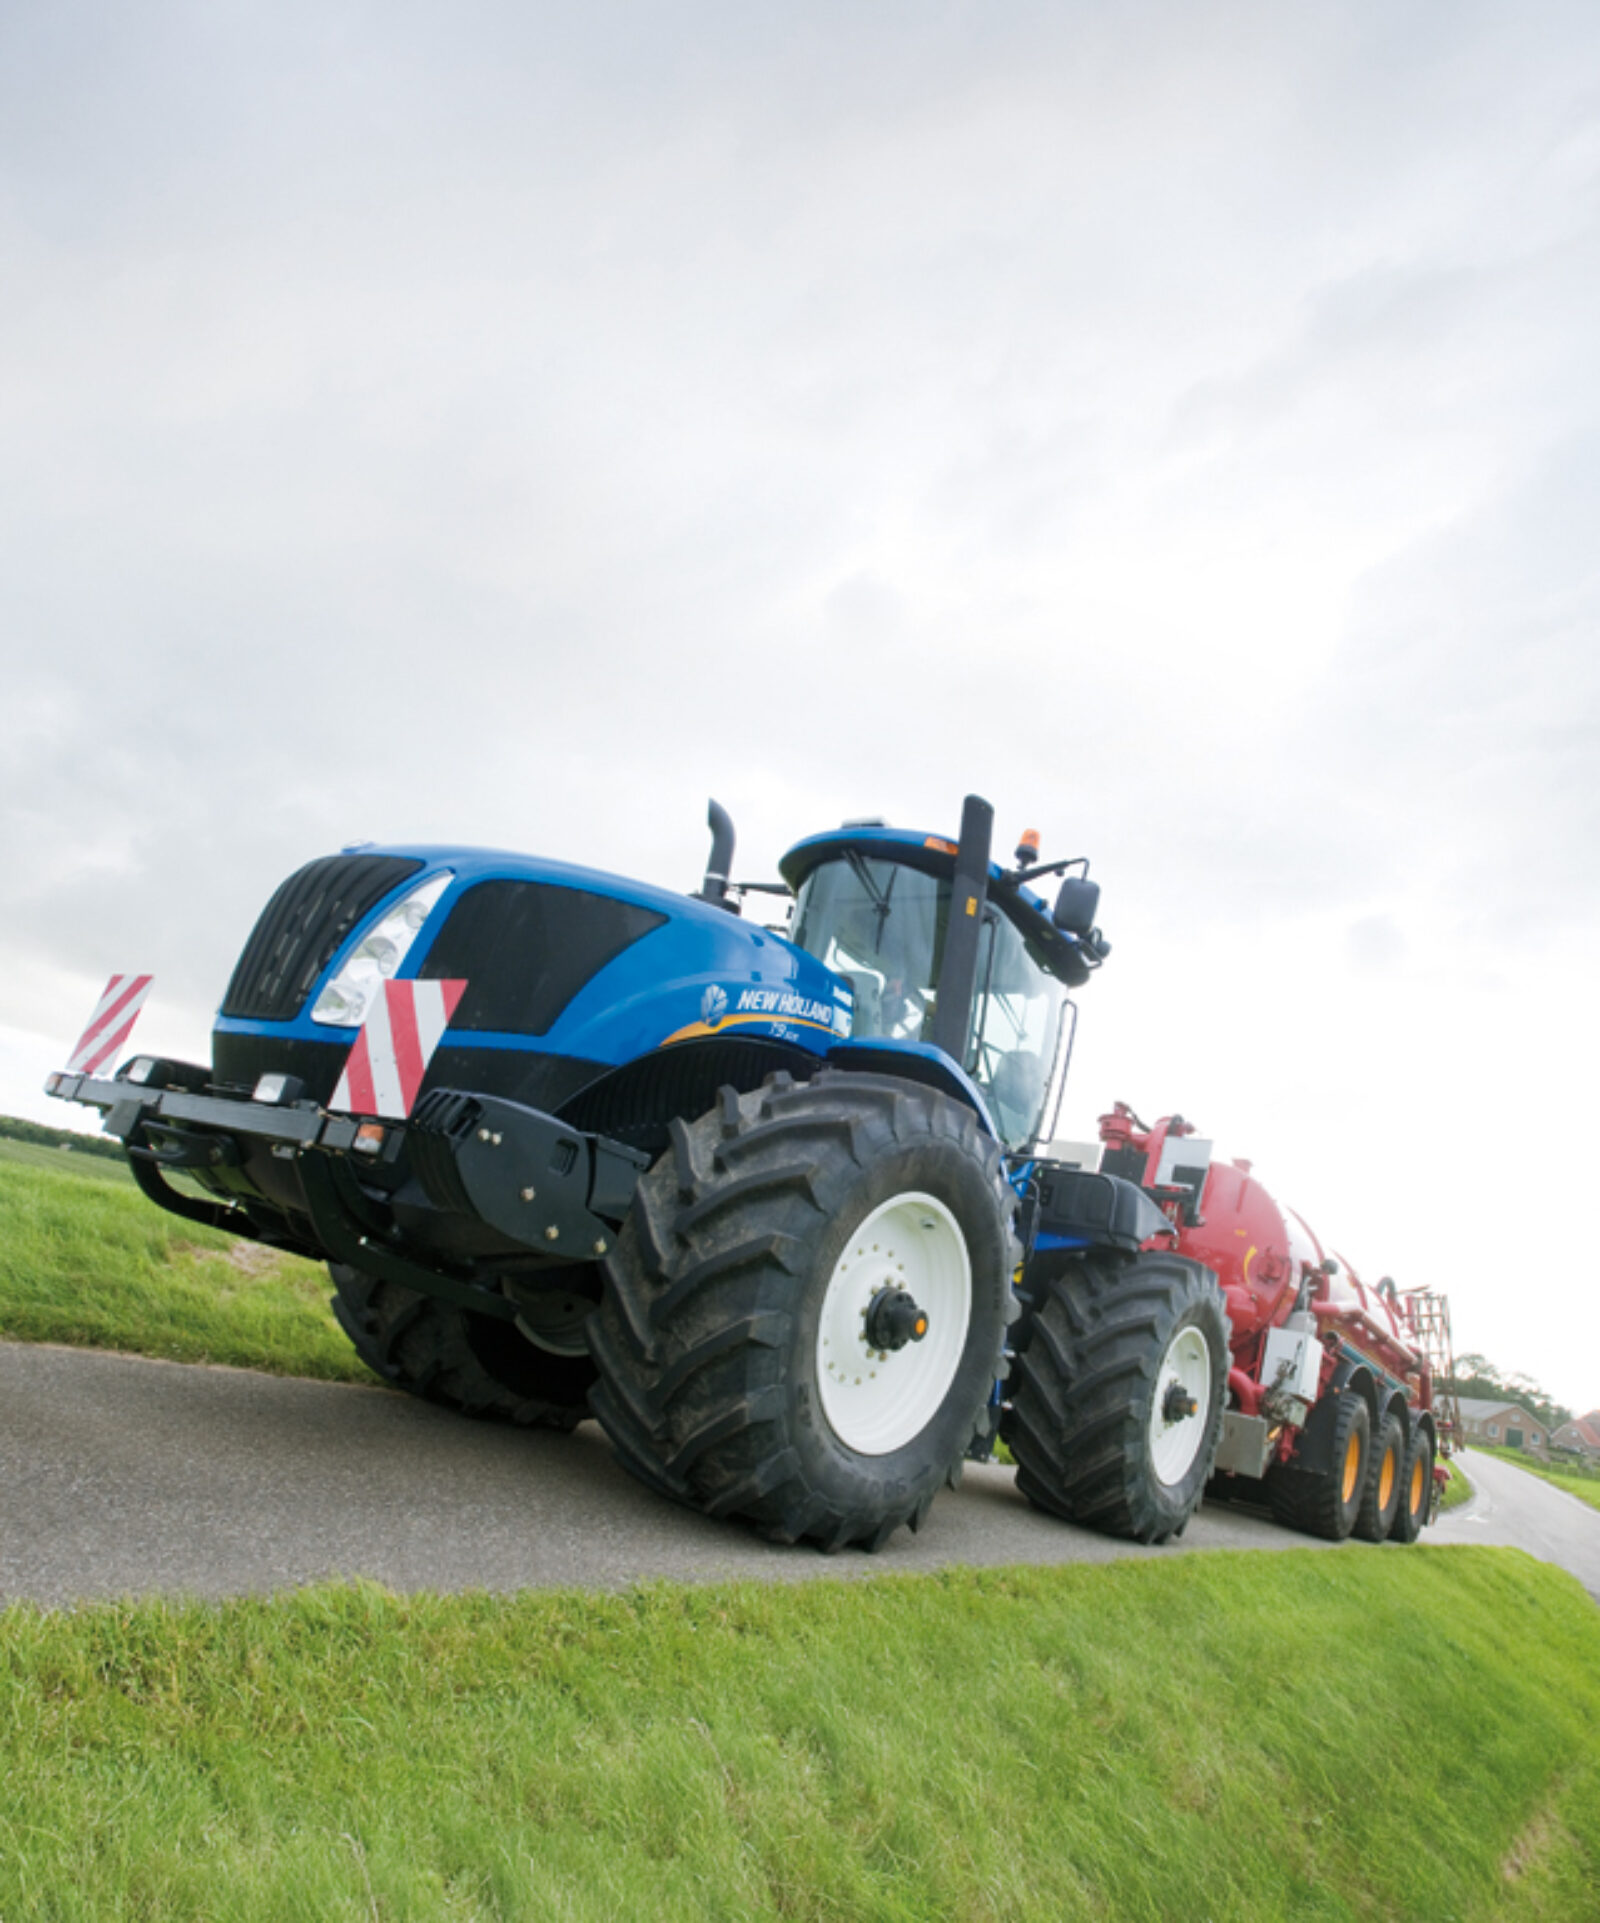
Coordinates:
934 854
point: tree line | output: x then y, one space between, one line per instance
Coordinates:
1476 1375
44 1137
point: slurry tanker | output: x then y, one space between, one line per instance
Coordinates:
1335 1415
777 1207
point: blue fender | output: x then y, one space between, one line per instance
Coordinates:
914 1062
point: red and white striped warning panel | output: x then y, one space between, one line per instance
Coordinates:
385 1069
110 1025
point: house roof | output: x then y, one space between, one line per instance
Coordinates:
1588 1427
1474 1409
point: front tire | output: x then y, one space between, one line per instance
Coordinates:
474 1364
1118 1392
757 1345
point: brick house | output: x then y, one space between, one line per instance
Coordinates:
1503 1425
1582 1435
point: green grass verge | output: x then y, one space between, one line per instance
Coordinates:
1457 1490
1585 1485
1379 1734
85 1259
1585 1488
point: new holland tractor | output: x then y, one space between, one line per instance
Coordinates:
771 1206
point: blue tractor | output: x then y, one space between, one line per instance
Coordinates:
770 1206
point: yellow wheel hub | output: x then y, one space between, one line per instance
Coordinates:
1352 1466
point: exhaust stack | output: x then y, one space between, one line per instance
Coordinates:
715 886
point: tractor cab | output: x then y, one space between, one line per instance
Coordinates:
944 950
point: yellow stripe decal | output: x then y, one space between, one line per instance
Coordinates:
769 1019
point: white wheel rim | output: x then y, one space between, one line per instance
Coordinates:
876 1400
555 1320
1175 1443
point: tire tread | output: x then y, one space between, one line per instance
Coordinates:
698 1321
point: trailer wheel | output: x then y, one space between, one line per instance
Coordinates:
805 1311
1415 1507
1118 1392
1385 1483
1326 1502
474 1364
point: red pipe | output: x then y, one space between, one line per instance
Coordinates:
1248 1392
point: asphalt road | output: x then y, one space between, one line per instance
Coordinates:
1518 1510
122 1476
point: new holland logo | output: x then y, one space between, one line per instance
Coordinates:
713 1005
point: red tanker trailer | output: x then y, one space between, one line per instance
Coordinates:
1333 1416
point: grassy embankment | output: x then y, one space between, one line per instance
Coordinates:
1394 1734
1576 1478
85 1259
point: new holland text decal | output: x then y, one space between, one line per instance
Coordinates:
781 1011
785 1004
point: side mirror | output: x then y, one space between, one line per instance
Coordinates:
1077 905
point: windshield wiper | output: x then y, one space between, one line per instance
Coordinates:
879 897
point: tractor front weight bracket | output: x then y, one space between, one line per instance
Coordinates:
559 1191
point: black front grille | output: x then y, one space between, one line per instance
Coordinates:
301 929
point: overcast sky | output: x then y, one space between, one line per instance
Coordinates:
510 424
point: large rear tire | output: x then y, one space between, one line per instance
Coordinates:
1385 1484
1326 1502
758 1343
1415 1510
475 1364
1118 1391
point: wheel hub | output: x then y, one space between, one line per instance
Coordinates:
1178 1403
555 1320
893 1323
892 1320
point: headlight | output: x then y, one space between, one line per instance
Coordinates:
377 956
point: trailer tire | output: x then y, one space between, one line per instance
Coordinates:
731 1341
1106 1346
1326 1502
474 1364
1385 1482
1415 1508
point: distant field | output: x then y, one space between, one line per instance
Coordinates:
61 1161
85 1259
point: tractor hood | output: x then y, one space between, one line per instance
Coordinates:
582 970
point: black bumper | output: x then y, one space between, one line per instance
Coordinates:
557 1192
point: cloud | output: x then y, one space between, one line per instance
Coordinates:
1177 423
